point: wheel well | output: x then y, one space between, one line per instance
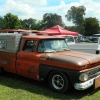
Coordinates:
48 75
68 78
59 71
58 79
44 74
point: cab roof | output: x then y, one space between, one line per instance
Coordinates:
41 37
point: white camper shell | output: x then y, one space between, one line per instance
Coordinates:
9 42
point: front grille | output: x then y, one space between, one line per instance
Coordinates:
94 72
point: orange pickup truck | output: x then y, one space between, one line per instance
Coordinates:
48 58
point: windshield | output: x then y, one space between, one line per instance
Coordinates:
52 45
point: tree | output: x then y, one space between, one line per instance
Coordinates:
49 20
91 26
11 21
28 23
76 15
38 25
75 29
1 23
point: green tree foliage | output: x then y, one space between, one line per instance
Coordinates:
1 23
76 15
91 26
50 19
11 21
28 23
31 24
38 25
75 29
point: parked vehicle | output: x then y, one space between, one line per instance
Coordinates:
94 38
70 39
48 58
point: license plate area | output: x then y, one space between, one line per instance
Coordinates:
97 83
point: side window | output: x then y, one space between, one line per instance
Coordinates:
30 45
2 44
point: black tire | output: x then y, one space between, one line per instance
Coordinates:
58 82
1 70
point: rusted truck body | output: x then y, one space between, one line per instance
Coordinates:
48 58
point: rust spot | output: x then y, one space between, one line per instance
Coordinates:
31 70
5 60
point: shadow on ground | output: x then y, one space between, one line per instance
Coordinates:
19 82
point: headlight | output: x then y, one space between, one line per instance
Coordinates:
83 77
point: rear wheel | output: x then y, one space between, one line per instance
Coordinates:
58 82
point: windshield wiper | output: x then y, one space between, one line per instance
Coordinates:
63 49
60 50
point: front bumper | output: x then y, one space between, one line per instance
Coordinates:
85 85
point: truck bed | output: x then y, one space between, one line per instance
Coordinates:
8 61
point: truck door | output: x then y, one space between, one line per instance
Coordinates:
27 60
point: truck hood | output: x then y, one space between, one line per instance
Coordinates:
74 58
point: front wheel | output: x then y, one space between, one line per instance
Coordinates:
58 82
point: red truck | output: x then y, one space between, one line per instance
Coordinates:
48 58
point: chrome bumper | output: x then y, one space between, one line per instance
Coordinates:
85 85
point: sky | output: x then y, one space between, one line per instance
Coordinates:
35 9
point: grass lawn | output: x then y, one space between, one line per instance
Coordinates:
14 87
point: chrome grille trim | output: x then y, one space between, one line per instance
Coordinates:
94 72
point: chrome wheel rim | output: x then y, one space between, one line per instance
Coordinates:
58 82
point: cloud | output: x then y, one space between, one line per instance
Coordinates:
32 2
22 10
37 8
63 8
92 8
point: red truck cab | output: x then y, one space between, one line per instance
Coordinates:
49 58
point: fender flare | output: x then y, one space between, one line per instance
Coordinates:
45 70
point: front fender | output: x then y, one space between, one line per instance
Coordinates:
45 70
